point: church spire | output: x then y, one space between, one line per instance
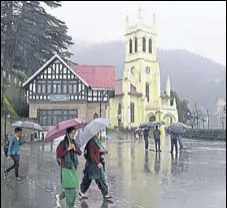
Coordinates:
154 19
168 86
126 21
139 15
174 102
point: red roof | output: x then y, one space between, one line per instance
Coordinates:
96 76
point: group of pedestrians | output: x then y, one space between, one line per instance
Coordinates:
67 154
138 134
68 151
175 139
156 135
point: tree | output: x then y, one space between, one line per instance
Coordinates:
182 107
14 98
30 36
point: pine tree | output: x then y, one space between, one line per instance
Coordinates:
30 35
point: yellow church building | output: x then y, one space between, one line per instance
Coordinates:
138 96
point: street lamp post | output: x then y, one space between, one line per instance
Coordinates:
19 113
2 101
100 109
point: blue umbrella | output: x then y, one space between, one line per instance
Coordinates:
90 130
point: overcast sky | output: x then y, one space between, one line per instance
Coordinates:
199 27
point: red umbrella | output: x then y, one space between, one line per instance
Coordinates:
60 129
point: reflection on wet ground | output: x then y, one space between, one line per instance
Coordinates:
195 177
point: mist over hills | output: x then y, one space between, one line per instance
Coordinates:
192 76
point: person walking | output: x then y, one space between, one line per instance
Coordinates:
67 152
180 142
134 134
93 169
140 134
156 135
14 152
103 152
146 134
174 137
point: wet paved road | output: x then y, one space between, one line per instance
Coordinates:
195 178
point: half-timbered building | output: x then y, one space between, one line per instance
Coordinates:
62 90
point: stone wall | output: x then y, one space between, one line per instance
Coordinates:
213 134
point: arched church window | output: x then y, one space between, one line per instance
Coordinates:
119 109
150 45
95 116
144 44
136 45
147 92
130 46
132 112
152 118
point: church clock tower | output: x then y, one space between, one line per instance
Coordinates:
141 77
137 95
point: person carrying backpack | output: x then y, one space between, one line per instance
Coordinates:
67 152
156 135
13 152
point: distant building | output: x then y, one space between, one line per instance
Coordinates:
221 113
62 90
138 96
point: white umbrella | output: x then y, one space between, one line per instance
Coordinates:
27 125
90 130
177 128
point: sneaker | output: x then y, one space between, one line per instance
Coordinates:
58 200
5 173
58 203
18 179
107 197
58 197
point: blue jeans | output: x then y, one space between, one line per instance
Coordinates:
180 142
157 144
16 159
146 142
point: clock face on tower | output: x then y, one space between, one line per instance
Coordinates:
148 70
132 70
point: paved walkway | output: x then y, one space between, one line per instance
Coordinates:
194 178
